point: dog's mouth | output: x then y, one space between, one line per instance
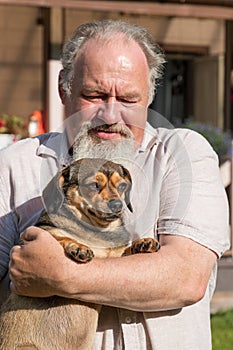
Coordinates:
104 216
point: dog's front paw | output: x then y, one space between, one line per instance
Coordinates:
145 245
79 253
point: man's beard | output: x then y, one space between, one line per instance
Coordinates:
86 145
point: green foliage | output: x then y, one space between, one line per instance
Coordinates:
12 124
222 330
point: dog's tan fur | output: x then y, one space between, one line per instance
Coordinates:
84 213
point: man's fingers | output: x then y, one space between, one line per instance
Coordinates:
30 234
13 253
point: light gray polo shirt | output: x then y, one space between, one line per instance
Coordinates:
177 190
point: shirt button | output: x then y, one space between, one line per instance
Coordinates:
128 319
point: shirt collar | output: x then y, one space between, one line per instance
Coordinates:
54 145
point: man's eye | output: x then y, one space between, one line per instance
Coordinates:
93 98
93 186
127 101
122 187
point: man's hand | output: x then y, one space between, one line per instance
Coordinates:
175 276
36 265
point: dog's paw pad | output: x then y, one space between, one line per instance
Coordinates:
81 254
145 245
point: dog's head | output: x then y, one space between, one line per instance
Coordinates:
96 187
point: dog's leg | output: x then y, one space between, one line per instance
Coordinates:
143 245
78 252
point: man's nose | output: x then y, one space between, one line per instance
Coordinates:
111 111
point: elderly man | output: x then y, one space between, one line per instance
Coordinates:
151 301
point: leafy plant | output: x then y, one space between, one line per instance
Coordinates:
13 124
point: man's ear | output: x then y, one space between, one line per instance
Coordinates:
61 91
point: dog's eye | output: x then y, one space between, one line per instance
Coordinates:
122 187
93 186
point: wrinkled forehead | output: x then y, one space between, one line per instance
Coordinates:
117 45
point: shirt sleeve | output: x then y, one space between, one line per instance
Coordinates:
193 201
8 221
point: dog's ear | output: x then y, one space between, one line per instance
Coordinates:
127 200
72 172
53 195
127 176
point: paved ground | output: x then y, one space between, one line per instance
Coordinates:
221 301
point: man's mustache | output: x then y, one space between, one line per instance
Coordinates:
121 129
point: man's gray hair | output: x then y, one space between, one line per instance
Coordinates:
104 30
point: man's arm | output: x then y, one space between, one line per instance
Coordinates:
176 276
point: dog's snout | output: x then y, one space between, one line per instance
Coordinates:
115 205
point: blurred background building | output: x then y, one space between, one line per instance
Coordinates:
196 35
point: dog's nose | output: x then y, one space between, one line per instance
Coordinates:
115 205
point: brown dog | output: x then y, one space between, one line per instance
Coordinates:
84 208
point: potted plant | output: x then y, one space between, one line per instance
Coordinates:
12 128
